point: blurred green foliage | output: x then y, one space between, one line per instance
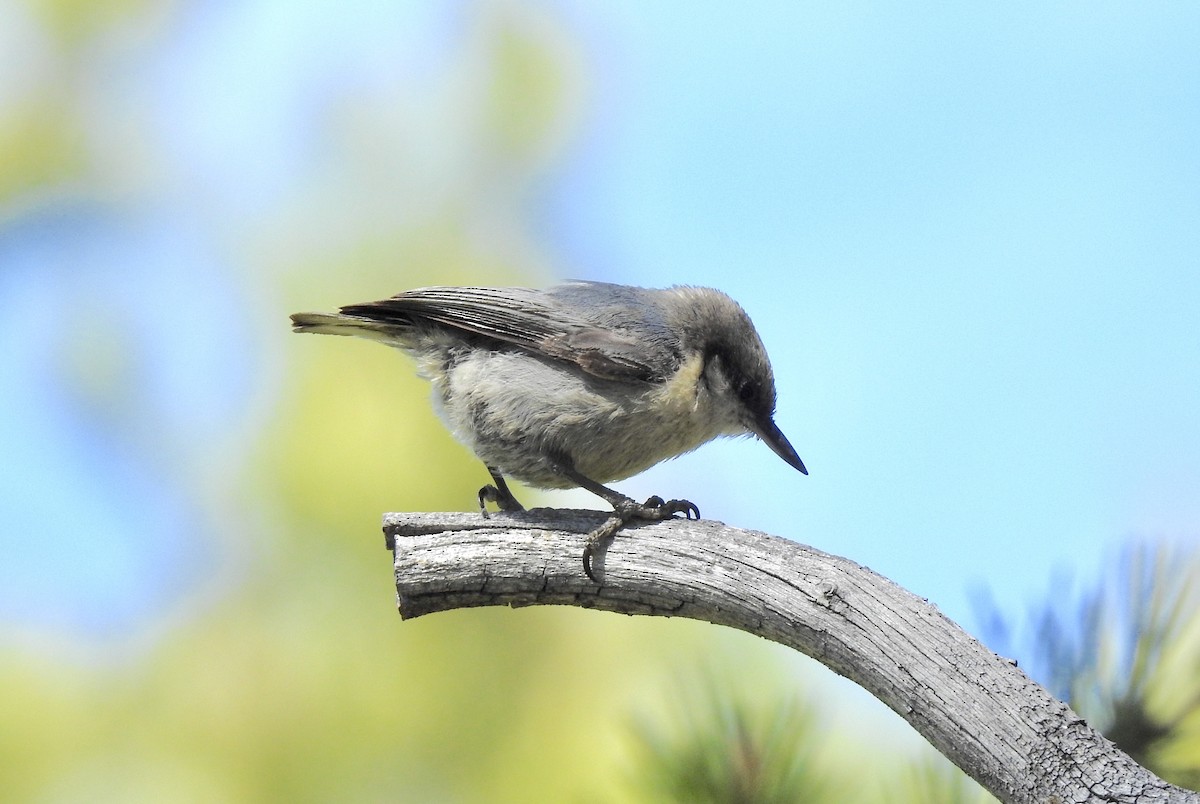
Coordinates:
42 144
1124 653
718 744
74 22
934 780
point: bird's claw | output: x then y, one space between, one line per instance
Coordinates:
596 539
669 508
503 499
654 509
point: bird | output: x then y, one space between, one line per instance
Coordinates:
580 384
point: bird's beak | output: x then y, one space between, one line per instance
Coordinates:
773 438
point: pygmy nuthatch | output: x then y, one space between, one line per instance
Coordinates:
580 384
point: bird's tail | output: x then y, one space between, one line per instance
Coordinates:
342 324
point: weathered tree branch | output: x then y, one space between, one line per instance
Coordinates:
975 707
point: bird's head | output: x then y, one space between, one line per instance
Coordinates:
736 371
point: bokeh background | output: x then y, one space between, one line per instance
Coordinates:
969 236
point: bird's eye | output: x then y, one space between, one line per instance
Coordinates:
746 391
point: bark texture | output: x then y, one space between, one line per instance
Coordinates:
977 708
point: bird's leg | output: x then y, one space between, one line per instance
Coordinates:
625 509
499 494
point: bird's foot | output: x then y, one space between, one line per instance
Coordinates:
497 493
597 539
654 509
502 497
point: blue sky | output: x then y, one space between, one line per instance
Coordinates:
968 235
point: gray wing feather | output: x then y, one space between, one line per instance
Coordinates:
609 331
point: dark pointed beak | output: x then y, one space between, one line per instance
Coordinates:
773 438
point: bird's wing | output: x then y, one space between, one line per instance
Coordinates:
581 323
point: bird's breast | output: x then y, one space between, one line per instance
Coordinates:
518 412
